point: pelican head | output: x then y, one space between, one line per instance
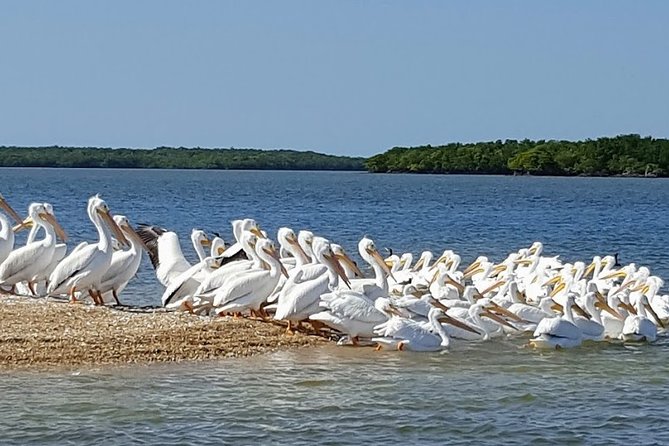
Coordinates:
368 251
98 208
123 223
324 253
199 237
341 255
305 239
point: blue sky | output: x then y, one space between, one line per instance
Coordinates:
345 77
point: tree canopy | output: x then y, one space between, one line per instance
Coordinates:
174 158
627 155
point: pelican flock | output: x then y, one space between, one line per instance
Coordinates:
312 285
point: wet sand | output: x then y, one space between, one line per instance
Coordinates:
37 333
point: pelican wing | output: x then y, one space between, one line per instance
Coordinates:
301 295
240 287
356 307
232 254
72 265
19 259
149 235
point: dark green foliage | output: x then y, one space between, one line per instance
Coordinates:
174 158
623 155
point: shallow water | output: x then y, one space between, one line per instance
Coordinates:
484 392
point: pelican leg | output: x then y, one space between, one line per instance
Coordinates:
377 348
189 307
100 298
31 287
317 326
118 302
92 294
355 341
12 290
73 299
289 330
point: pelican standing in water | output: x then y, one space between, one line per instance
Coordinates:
84 268
6 232
24 263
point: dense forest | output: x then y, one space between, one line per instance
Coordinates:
174 158
627 155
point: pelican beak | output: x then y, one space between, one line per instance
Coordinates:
456 323
419 264
624 285
375 254
441 259
499 309
109 220
272 252
532 250
589 270
338 268
617 274
654 314
296 245
553 280
351 264
435 303
471 272
557 289
498 269
526 262
471 267
133 234
12 213
605 307
456 284
205 242
557 307
497 319
581 311
388 262
27 223
56 226
630 309
256 231
492 287
220 250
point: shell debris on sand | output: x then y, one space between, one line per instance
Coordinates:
40 332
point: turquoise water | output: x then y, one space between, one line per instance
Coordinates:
482 392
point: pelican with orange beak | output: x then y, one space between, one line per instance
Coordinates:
84 268
24 263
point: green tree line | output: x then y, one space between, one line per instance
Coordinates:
174 158
628 155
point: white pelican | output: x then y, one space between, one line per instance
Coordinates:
58 254
405 334
637 327
217 246
350 267
593 329
290 245
84 268
352 313
6 232
26 262
209 283
300 296
200 241
124 263
305 238
558 332
248 290
378 286
180 293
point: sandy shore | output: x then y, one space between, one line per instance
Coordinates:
39 332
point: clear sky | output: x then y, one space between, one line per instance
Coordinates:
344 77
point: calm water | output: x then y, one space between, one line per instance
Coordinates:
494 391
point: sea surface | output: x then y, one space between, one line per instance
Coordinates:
482 393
